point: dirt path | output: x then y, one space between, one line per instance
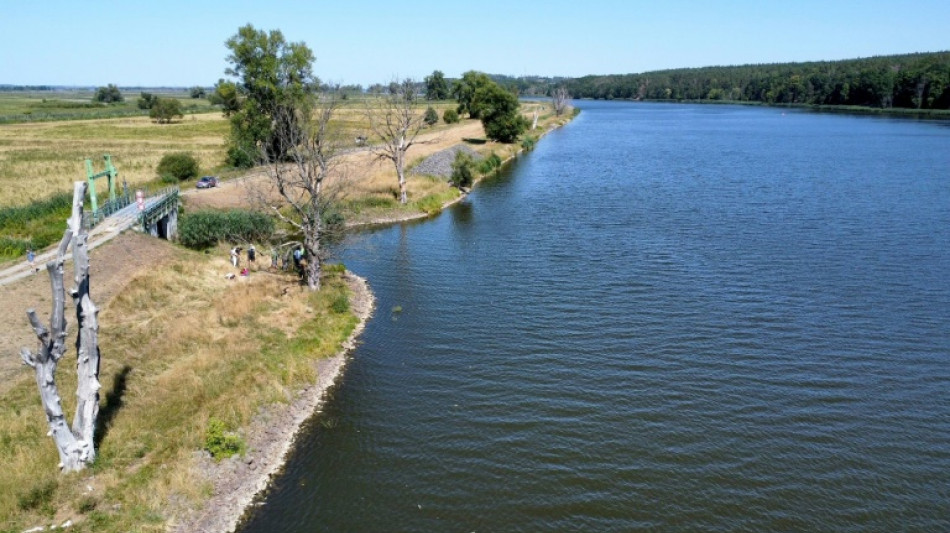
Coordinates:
112 265
361 164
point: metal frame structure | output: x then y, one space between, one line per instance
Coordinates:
109 172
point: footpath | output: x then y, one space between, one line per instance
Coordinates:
103 232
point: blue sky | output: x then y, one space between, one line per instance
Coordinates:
181 43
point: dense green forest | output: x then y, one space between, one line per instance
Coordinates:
911 81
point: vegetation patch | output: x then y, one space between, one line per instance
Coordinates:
187 356
205 229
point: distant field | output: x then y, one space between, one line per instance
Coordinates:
44 158
37 106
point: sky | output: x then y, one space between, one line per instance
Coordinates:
178 43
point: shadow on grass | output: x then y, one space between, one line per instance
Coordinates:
113 404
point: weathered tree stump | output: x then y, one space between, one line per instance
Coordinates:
76 445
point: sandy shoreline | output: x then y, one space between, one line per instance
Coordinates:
270 437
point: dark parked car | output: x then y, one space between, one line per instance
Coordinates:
207 182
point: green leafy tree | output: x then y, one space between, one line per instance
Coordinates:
108 94
436 86
225 94
165 109
146 100
181 165
464 91
431 117
274 77
463 170
197 92
499 112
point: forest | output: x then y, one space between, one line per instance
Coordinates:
910 81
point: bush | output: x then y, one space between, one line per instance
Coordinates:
181 165
462 170
240 156
528 143
489 164
340 304
220 442
431 117
205 229
450 116
165 109
108 94
147 100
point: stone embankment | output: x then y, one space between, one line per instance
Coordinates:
440 163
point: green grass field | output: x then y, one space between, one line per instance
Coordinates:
75 104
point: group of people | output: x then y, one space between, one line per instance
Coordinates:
236 256
236 259
278 261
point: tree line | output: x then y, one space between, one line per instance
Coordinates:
910 81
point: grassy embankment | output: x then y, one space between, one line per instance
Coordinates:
181 346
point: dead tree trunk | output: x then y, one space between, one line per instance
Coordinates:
75 445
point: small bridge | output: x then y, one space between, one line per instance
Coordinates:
156 213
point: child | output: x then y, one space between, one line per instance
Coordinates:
31 259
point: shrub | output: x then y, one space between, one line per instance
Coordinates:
462 170
220 442
108 94
334 268
181 165
431 117
240 156
165 109
489 164
39 497
429 203
340 304
204 229
147 100
528 142
450 116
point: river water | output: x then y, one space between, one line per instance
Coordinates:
666 318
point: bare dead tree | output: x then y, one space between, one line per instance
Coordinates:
561 100
396 124
76 445
297 191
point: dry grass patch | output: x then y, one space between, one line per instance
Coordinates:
41 159
180 345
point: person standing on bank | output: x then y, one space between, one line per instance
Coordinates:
251 256
235 258
31 259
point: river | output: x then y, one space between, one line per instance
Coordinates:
667 318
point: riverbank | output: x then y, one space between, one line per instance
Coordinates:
178 324
270 436
182 345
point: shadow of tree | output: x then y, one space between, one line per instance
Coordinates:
113 404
